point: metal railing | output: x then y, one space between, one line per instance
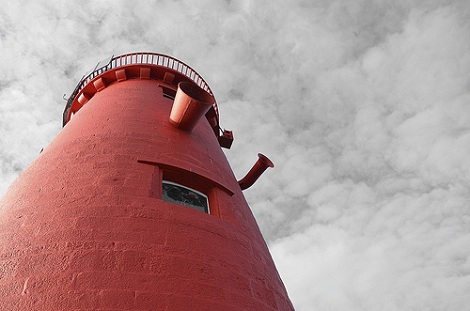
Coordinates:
138 58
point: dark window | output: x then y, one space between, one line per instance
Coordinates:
178 194
168 93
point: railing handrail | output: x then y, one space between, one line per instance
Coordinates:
149 58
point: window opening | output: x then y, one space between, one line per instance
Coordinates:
168 93
178 194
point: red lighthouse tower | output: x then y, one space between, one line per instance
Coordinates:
133 206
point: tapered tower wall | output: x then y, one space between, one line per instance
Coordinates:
85 227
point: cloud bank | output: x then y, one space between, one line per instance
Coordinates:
364 106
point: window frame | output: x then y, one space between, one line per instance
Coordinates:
166 181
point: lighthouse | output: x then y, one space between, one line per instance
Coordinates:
134 206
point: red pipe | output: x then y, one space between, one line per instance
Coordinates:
260 166
191 103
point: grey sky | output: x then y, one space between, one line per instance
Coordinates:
363 106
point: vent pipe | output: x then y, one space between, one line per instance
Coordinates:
260 166
190 104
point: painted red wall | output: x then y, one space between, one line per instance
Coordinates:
84 227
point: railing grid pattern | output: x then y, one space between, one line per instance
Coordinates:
140 58
145 58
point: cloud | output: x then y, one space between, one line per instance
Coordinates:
362 105
395 199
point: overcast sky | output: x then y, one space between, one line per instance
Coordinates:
363 106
